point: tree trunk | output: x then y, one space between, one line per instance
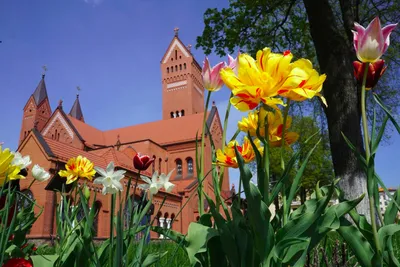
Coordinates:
335 54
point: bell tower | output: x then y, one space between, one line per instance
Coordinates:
37 110
182 89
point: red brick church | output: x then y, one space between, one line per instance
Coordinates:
51 137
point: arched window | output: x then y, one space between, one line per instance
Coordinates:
189 162
178 167
172 69
182 112
153 165
159 165
184 66
180 66
176 67
58 136
26 200
176 54
97 207
167 69
172 220
178 114
55 136
172 114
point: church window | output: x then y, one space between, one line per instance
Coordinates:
184 66
179 167
58 137
168 70
180 57
177 114
180 66
189 162
159 165
176 54
182 112
176 67
172 115
153 165
172 69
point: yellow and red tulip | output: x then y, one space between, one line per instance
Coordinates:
257 80
275 126
303 82
228 158
211 77
79 167
375 71
371 43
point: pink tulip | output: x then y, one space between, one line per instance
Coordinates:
232 63
211 78
372 42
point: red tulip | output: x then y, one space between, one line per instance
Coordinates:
375 71
142 162
18 262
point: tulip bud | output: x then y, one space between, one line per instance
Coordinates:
142 162
86 191
375 71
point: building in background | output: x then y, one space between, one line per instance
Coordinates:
51 137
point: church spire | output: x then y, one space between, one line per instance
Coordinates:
76 110
40 93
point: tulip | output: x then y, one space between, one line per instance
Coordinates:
211 78
79 167
39 173
142 162
371 43
20 262
232 63
375 71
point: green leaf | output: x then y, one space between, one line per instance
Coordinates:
375 142
386 232
153 258
360 246
196 240
44 260
296 181
380 103
391 210
258 211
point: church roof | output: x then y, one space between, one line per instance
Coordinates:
40 93
162 132
76 110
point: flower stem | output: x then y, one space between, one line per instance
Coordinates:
266 158
367 157
200 179
285 205
228 108
29 187
111 247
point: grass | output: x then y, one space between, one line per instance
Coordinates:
176 256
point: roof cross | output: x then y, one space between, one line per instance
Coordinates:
44 67
176 30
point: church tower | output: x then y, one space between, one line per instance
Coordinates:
76 110
182 87
37 110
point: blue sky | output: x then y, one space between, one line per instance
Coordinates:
111 49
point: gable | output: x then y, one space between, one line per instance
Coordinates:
176 44
56 121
